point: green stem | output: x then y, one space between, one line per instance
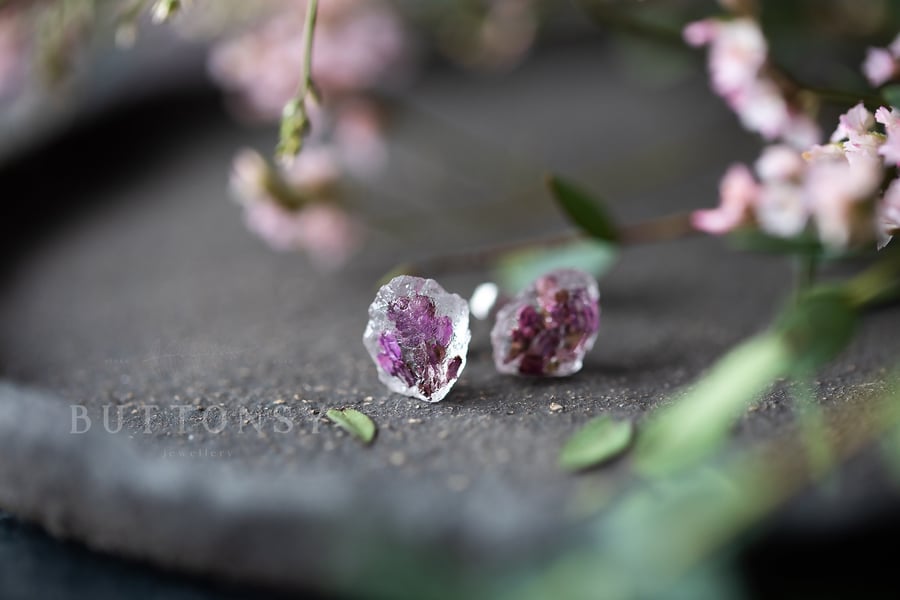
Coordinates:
295 117
877 283
306 83
806 267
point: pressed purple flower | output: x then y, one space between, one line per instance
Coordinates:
549 327
418 335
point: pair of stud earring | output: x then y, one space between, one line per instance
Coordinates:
418 333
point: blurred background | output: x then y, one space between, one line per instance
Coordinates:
138 269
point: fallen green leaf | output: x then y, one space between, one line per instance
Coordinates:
585 212
517 269
598 441
354 422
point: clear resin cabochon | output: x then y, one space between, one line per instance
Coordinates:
549 327
418 335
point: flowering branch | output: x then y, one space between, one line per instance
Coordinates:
295 117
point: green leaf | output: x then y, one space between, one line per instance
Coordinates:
517 269
354 422
684 433
807 336
598 441
582 210
818 327
891 93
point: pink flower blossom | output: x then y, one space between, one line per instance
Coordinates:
889 214
738 50
761 107
737 62
781 163
359 138
307 221
781 210
856 121
314 171
738 192
701 33
890 150
836 194
358 44
880 66
889 117
864 149
826 152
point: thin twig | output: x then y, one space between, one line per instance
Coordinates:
662 229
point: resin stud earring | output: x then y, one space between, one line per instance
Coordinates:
549 327
418 335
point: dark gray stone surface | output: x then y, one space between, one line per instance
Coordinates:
161 298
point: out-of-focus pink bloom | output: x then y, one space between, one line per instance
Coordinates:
326 233
825 152
738 192
780 163
854 122
890 150
13 42
880 66
368 47
359 138
314 171
761 107
781 210
358 44
836 194
701 33
889 117
864 149
889 214
738 56
738 50
307 222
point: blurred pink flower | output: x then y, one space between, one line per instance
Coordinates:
738 192
359 138
854 122
836 194
781 163
825 152
307 221
358 44
737 62
889 214
781 210
314 171
882 64
738 51
890 150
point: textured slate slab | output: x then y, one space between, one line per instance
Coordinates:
158 297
